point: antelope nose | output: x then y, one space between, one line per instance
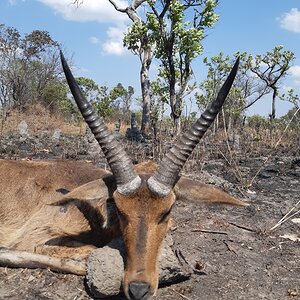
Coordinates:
139 290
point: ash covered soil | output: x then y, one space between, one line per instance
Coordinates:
231 250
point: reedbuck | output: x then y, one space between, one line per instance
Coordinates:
65 209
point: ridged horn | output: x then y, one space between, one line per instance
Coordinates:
167 173
121 165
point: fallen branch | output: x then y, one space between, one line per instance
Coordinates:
19 259
290 214
103 269
230 248
181 295
209 231
242 227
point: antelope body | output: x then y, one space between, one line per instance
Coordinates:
65 209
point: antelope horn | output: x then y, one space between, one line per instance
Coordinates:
167 173
121 165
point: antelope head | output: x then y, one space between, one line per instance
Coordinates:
143 204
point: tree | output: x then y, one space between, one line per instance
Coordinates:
138 41
258 76
104 103
55 97
163 32
219 67
178 42
272 68
159 99
28 65
122 97
89 88
99 96
291 97
9 43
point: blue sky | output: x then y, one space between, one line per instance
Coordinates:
92 34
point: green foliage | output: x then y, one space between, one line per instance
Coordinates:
175 37
173 31
257 76
291 97
104 103
219 67
89 88
271 68
159 97
99 96
122 97
28 65
273 65
53 94
132 40
258 122
291 118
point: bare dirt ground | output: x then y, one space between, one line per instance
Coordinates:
231 249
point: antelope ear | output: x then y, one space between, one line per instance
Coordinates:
94 199
90 192
194 191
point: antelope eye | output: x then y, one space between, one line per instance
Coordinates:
165 216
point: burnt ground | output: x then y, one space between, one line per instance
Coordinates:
232 251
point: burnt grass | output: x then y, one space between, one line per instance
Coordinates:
231 251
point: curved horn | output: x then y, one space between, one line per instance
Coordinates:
121 166
167 173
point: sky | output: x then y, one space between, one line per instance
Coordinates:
92 35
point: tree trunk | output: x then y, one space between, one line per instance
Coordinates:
145 87
274 95
175 110
177 125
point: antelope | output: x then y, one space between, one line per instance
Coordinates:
67 208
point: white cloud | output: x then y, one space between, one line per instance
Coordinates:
291 20
295 71
114 44
94 40
12 2
113 48
99 11
89 10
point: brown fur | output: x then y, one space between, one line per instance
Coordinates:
27 188
36 216
142 246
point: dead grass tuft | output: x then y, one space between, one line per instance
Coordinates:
38 119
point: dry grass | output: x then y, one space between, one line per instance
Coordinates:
38 119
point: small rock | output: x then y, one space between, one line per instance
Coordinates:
105 268
105 272
56 135
23 130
